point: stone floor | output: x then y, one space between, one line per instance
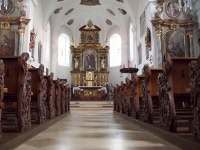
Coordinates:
95 130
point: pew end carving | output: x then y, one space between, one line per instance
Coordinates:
195 96
16 101
1 90
50 102
176 113
38 98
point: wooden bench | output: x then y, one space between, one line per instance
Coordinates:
16 102
38 97
150 103
122 98
57 96
1 90
50 102
138 102
127 97
117 98
175 106
134 102
67 98
63 96
195 96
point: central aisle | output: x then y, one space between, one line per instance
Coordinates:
95 130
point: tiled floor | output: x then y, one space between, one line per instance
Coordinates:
95 130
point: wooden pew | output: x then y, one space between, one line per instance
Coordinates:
138 98
195 96
1 90
16 102
63 96
175 108
57 96
50 102
150 104
67 98
117 98
134 100
38 97
127 97
121 98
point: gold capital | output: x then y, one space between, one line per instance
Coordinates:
158 31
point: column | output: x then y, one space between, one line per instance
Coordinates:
190 51
21 31
159 49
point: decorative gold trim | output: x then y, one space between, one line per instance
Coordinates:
190 33
174 26
5 25
21 31
158 31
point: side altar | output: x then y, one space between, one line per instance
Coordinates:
89 70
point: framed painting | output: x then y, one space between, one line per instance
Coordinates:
7 43
175 43
172 9
90 59
90 37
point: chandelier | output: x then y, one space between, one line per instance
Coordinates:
4 3
185 5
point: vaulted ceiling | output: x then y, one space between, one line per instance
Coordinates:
75 13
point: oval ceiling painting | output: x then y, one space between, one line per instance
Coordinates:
69 11
120 1
108 22
70 21
111 12
123 12
56 11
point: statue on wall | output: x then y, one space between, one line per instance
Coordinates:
76 63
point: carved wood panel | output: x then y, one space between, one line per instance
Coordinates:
195 96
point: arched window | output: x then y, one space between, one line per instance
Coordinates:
131 57
115 50
63 50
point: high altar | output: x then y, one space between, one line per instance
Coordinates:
89 70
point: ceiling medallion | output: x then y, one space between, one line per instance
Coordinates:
69 11
123 12
122 1
90 2
111 12
70 21
108 22
56 11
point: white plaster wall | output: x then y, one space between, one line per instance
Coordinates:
35 13
114 75
62 72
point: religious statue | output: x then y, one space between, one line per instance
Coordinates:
76 63
32 41
103 62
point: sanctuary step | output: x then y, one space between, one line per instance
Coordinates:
91 105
